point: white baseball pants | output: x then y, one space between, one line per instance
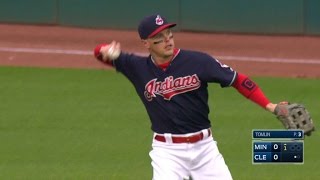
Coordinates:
178 161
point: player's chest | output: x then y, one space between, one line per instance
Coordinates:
169 83
175 75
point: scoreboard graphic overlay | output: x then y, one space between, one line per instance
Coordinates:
277 146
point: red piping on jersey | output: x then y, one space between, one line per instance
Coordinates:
250 90
164 66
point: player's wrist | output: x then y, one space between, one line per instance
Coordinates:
271 107
97 52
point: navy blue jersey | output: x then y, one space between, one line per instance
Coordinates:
176 99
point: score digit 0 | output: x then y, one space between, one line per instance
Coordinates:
276 147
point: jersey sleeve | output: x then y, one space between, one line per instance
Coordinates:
125 64
217 72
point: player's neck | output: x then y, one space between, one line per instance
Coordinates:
161 60
158 60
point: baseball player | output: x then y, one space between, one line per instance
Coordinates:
172 84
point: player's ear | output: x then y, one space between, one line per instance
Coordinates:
145 43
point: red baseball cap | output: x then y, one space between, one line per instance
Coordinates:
152 25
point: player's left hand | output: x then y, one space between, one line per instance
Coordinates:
294 116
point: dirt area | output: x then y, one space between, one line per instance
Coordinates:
254 55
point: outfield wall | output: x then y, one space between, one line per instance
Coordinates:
245 16
29 11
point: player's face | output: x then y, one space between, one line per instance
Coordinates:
161 44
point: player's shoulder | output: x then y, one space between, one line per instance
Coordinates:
196 55
130 60
133 58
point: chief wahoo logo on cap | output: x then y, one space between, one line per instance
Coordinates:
159 20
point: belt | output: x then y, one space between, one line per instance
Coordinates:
183 139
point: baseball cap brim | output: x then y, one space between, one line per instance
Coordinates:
159 29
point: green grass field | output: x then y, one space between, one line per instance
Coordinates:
90 124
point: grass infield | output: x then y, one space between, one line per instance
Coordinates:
90 124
